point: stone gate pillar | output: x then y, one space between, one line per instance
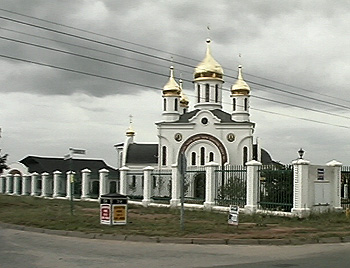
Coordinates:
336 183
9 184
175 186
69 184
2 184
57 176
103 182
85 183
124 180
46 185
147 185
302 202
34 184
16 184
25 184
210 184
252 197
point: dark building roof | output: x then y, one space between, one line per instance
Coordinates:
51 164
266 158
142 154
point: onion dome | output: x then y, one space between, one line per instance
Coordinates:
183 98
171 88
130 132
240 87
209 67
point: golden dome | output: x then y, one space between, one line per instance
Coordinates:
171 88
209 67
240 87
130 131
183 98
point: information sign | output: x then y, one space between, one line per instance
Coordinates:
233 215
105 211
119 214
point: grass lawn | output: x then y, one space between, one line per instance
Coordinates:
55 214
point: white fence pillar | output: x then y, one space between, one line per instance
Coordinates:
104 185
302 202
252 197
175 186
45 185
26 184
210 184
336 184
17 184
2 184
147 185
124 180
9 184
69 184
34 184
85 183
57 178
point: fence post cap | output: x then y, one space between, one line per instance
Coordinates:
45 174
301 162
104 170
148 168
57 172
124 168
212 164
334 163
86 170
253 163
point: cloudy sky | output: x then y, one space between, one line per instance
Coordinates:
72 72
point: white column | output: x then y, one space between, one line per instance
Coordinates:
175 186
16 184
103 182
45 184
301 201
336 189
124 180
2 184
252 187
57 177
9 184
210 184
34 182
26 184
85 182
69 187
147 185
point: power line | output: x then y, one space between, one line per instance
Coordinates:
152 87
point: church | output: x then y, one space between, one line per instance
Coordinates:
205 134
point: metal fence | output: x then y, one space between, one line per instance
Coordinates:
194 185
231 186
276 188
161 185
345 179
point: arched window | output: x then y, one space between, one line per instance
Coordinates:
206 92
176 104
245 155
193 159
198 93
216 93
202 156
164 104
133 181
164 154
246 104
234 104
211 157
154 182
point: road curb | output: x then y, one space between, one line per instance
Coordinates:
179 240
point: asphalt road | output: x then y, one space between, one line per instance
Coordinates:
29 249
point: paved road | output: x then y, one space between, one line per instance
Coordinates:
29 249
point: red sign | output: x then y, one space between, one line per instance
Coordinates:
105 213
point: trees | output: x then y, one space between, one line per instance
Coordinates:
3 164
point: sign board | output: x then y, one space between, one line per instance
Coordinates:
105 214
320 174
119 214
233 215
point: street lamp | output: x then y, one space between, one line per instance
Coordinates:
301 153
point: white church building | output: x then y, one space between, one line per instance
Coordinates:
205 134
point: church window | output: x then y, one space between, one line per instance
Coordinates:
211 157
234 104
193 158
154 182
164 104
133 181
198 93
216 93
176 104
206 92
202 156
245 104
164 154
245 155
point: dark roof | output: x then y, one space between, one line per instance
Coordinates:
142 154
51 164
266 158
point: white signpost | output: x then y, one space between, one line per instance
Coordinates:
233 215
